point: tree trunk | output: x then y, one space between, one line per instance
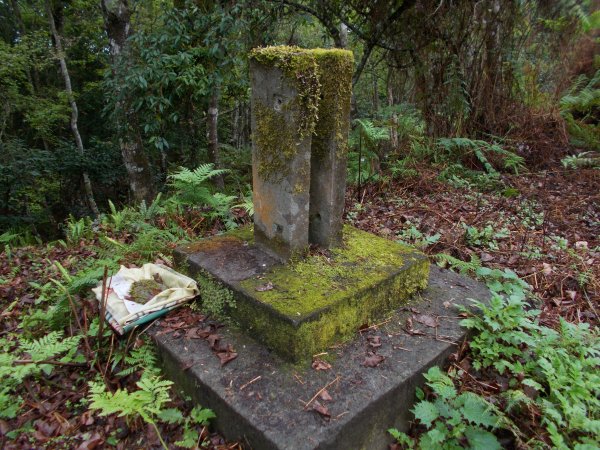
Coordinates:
74 111
375 91
394 118
118 28
212 135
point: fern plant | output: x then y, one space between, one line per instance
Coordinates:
363 160
147 402
76 230
581 160
27 360
579 109
192 188
458 148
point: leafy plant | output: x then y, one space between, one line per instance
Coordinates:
485 237
28 360
363 160
578 107
451 419
76 230
192 188
503 328
417 238
147 402
459 148
581 160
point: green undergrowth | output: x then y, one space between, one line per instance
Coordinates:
58 336
552 377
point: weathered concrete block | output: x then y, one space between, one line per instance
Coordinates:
269 414
300 308
329 147
284 98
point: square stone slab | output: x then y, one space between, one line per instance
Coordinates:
259 399
300 308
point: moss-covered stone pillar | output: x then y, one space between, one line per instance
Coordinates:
329 149
285 93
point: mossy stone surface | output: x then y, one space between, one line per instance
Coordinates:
301 308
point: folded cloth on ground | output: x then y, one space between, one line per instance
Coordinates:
179 289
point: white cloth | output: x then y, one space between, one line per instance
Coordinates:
179 289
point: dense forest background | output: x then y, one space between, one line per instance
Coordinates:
102 100
125 132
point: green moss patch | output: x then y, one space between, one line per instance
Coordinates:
302 308
275 143
335 76
300 67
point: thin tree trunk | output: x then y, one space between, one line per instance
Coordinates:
394 118
118 28
74 111
343 40
375 91
212 135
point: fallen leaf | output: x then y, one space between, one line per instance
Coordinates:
547 270
513 260
364 326
581 245
227 356
264 287
325 396
486 257
323 410
86 418
427 320
410 329
373 360
4 428
203 333
213 339
89 444
45 428
374 341
186 365
191 333
319 364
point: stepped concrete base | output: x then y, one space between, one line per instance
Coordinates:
302 307
259 398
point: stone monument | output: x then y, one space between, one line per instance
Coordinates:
300 120
294 302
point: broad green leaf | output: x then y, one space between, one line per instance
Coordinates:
426 412
480 439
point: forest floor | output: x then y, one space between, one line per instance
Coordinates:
546 229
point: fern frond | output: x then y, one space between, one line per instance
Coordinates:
50 346
147 402
464 267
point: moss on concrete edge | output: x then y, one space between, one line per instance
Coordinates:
318 301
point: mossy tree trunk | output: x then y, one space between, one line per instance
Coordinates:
118 28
